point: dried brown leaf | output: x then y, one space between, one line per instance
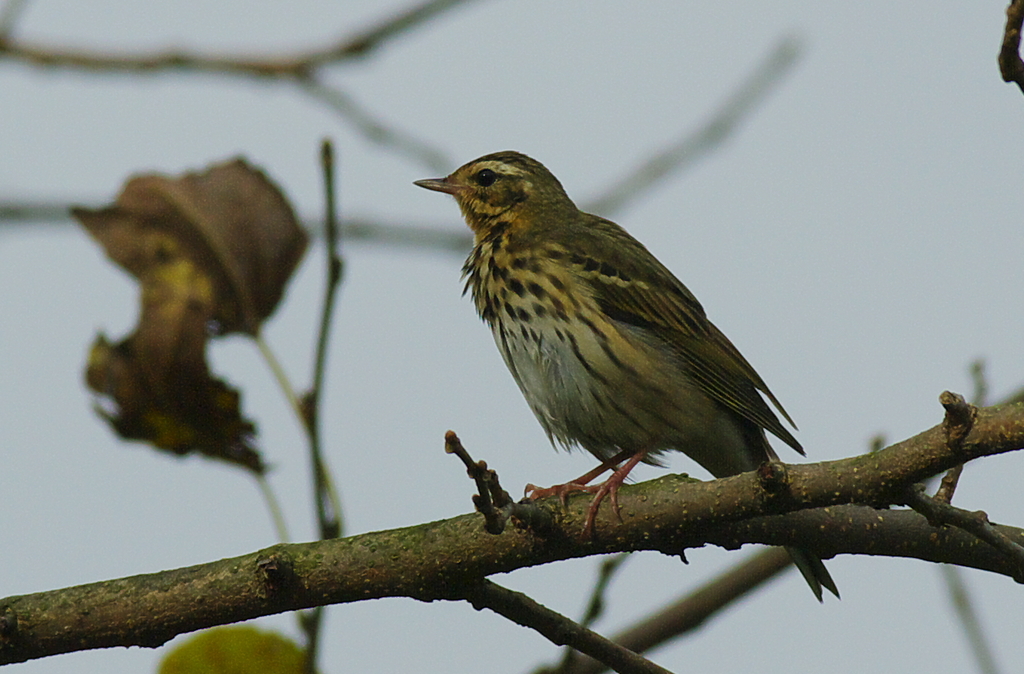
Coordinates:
230 221
183 412
212 251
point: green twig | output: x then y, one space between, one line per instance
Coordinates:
969 621
281 377
328 507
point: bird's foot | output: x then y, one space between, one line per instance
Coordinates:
562 491
608 488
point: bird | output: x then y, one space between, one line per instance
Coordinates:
611 351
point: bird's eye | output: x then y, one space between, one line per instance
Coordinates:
485 177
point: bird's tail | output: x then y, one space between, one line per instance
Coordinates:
813 571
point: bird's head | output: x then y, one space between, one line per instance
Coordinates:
506 187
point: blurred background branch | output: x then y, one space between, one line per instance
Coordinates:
721 125
301 67
304 70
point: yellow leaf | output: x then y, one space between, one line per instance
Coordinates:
235 650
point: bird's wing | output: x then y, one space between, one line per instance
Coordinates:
632 287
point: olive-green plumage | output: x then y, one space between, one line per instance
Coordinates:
611 351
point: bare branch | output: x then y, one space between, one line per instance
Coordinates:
561 631
692 610
325 495
369 125
303 68
429 236
296 64
373 38
977 523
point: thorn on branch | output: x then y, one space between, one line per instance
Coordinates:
976 523
1010 65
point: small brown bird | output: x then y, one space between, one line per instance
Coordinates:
611 351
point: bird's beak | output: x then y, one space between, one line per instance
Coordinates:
439 185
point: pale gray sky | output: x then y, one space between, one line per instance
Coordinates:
859 239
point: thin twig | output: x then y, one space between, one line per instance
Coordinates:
980 397
959 420
281 377
295 64
493 502
976 523
428 236
608 569
328 506
1010 65
369 125
557 628
303 68
944 494
722 124
694 609
375 37
953 577
595 606
490 499
968 616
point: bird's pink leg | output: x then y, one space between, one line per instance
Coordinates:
582 483
610 487
562 491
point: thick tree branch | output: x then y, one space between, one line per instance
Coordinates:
432 561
